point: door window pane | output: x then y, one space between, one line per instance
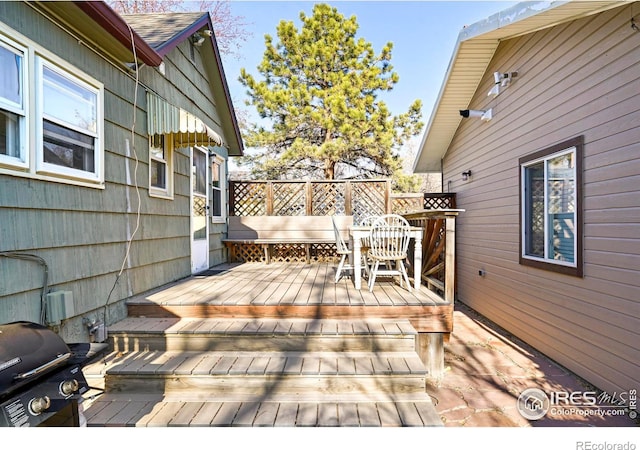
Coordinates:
199 172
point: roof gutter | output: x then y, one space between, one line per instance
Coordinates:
116 26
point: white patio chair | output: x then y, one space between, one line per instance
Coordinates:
389 241
343 251
365 244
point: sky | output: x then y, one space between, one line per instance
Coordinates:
423 33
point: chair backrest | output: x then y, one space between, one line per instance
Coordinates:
340 244
368 221
389 237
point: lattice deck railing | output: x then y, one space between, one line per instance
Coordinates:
359 198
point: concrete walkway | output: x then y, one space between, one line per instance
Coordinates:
486 371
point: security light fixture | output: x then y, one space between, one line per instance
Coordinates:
466 174
484 115
197 39
501 80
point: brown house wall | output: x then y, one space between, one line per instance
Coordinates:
579 78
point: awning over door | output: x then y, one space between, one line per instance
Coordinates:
187 129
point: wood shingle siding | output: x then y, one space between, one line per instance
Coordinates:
577 78
82 230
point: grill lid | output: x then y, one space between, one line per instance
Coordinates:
27 352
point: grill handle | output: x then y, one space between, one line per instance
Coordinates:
43 368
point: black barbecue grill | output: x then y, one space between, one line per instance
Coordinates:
41 379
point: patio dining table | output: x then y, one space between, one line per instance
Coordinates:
358 232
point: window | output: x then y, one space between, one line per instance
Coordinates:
69 123
13 105
160 167
51 117
218 195
551 216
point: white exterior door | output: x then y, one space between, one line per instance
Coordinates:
199 210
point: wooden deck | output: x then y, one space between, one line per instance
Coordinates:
278 344
292 290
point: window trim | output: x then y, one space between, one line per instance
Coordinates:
97 175
23 161
222 218
155 191
575 269
31 146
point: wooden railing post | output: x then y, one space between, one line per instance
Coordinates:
450 259
269 199
232 198
348 201
308 199
387 198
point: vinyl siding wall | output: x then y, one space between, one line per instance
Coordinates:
83 232
574 79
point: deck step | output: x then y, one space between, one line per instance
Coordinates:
259 373
162 411
198 334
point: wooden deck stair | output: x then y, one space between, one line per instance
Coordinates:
260 372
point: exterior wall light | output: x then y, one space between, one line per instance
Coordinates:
484 115
197 39
465 175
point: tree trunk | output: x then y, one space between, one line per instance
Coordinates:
329 170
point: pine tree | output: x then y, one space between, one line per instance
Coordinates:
319 94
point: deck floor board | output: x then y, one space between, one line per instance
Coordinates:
289 290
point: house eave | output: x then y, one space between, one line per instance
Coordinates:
116 26
213 65
472 54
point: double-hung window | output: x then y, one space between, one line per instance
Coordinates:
160 167
69 119
51 116
551 216
218 194
13 105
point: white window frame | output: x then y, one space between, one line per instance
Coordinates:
221 162
31 164
97 175
22 111
547 261
155 191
